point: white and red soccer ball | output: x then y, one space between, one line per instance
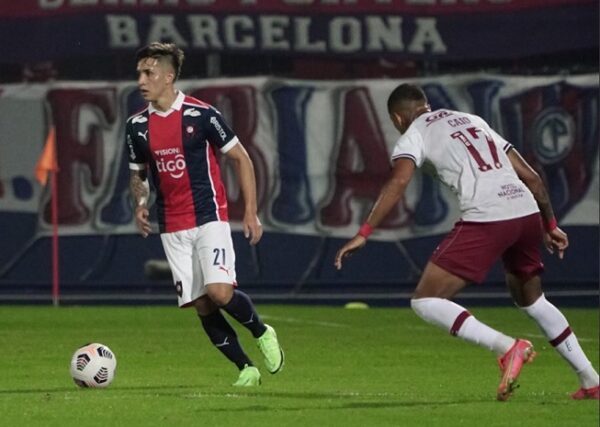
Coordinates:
93 365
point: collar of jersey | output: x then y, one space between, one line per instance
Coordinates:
176 106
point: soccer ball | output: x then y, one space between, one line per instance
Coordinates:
93 365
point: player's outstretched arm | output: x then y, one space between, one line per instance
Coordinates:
390 195
245 172
140 192
555 239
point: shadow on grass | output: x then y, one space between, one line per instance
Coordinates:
316 401
354 400
337 400
349 405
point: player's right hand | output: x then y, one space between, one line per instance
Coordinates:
556 240
348 249
142 221
252 228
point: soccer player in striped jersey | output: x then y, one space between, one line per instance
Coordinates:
506 214
176 138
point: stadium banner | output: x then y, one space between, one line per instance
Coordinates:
40 30
321 150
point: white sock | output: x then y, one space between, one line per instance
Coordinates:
556 328
459 322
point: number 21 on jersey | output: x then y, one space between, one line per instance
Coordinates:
470 138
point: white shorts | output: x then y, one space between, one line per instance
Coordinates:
198 257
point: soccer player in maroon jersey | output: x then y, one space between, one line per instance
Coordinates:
176 137
505 214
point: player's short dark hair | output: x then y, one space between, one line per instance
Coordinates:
405 92
159 50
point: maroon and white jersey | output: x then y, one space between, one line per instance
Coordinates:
179 147
471 159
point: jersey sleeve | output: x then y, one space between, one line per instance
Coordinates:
410 146
137 158
218 131
500 142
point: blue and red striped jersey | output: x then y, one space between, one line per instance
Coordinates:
179 148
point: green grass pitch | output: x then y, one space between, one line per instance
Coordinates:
375 367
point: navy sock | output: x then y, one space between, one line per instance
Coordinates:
223 337
240 307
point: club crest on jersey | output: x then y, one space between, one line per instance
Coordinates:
192 112
189 129
179 288
139 119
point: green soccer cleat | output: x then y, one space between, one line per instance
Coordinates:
271 350
249 377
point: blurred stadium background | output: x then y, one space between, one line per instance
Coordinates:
304 84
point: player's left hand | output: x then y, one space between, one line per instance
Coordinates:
348 249
556 240
252 228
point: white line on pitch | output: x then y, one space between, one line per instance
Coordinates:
545 337
304 321
201 395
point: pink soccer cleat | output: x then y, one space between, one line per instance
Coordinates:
510 364
587 393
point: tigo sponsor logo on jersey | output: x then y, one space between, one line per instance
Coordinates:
171 161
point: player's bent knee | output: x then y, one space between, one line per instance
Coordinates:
219 293
425 308
436 282
440 312
419 306
204 306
